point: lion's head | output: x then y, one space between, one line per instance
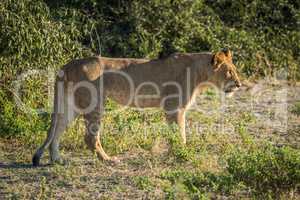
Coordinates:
224 72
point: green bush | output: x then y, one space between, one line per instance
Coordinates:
263 35
30 40
266 169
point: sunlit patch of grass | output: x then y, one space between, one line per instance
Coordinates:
73 137
143 183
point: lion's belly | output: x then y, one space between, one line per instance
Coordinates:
132 99
129 92
146 103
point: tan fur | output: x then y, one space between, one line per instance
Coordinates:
185 71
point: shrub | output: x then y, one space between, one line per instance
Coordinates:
143 183
266 169
296 109
30 40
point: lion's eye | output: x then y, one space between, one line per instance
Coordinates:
228 74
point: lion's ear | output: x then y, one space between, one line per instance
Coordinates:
227 53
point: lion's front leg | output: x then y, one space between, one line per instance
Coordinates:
179 118
92 136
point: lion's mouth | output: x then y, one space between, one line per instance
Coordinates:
232 86
230 90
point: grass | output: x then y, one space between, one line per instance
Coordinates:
266 172
216 163
296 108
143 183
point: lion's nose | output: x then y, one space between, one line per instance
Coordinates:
238 84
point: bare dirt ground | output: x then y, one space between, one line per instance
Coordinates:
264 111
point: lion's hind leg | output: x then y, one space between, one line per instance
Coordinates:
64 120
38 154
60 118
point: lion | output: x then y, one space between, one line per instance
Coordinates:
171 83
